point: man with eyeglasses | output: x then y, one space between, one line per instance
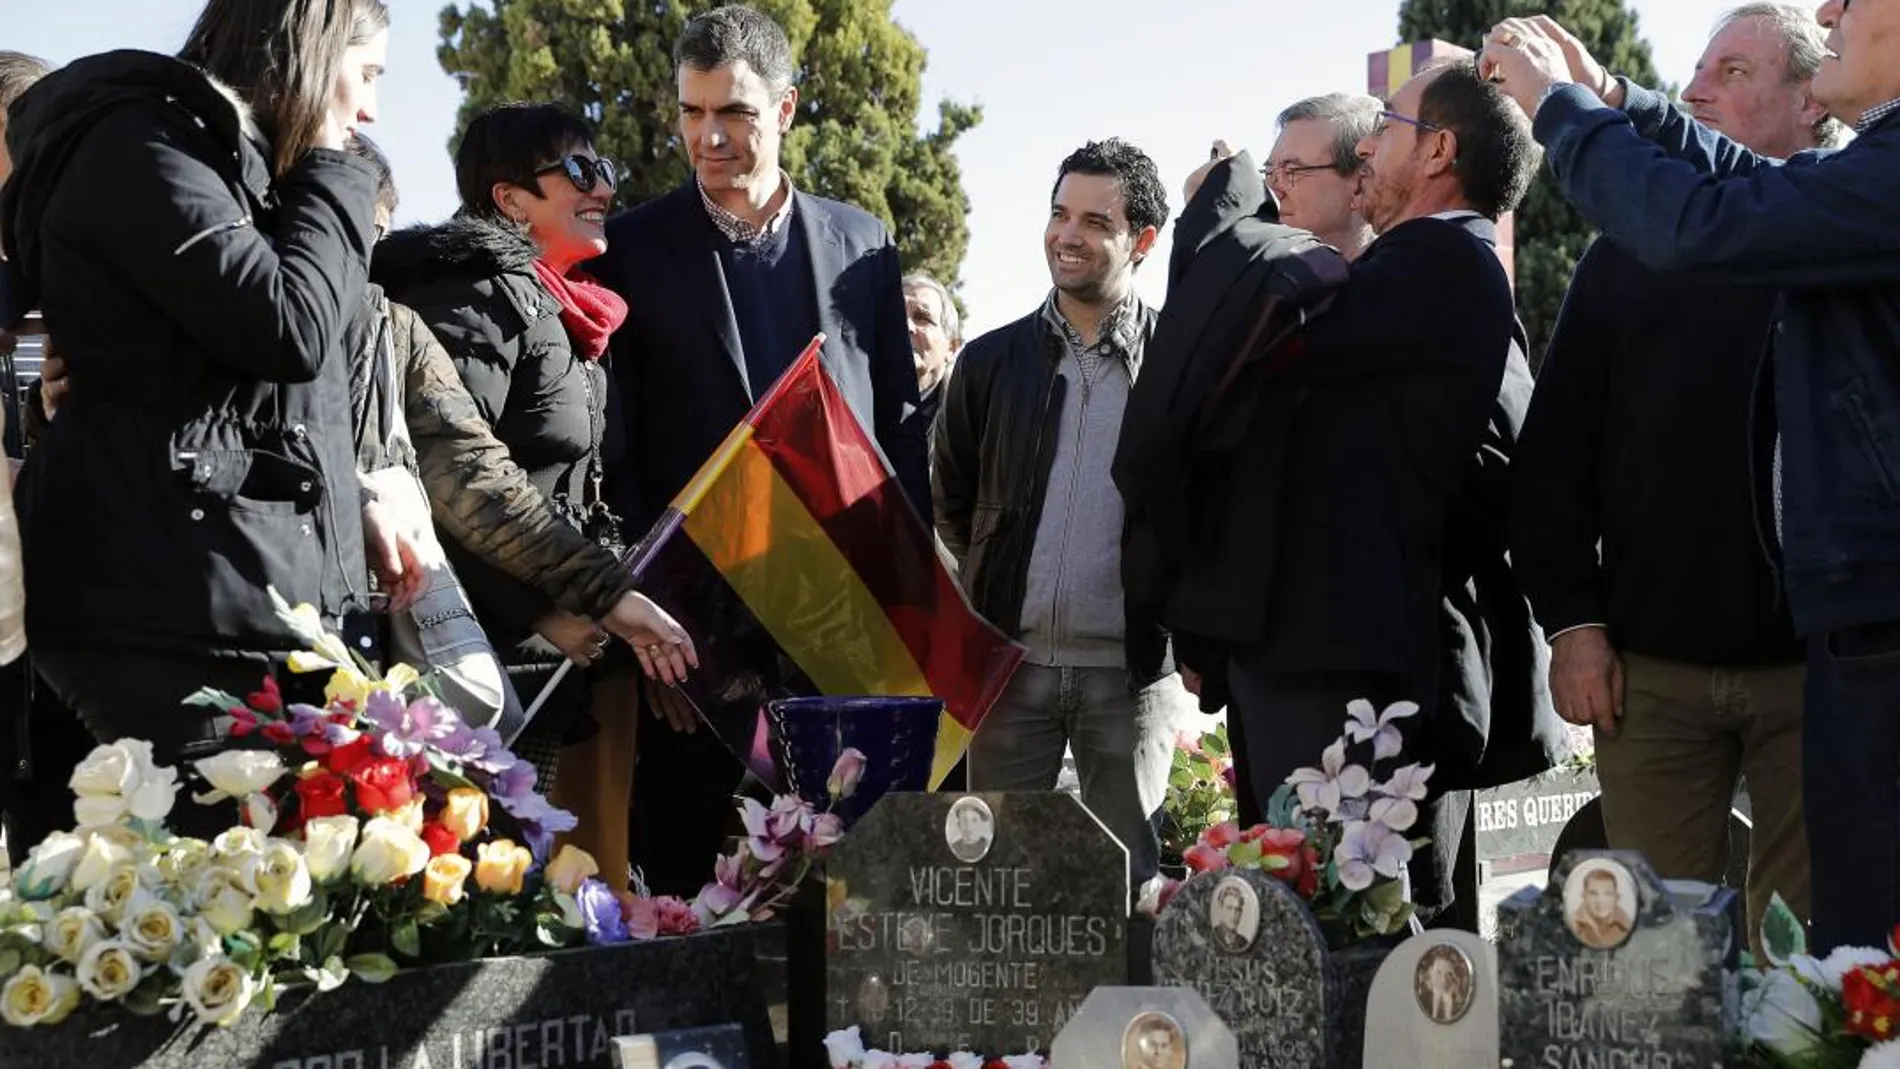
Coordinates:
1387 487
1313 168
1822 228
728 277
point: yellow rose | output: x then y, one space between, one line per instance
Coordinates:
34 996
217 990
108 897
387 852
444 877
108 970
348 685
466 813
570 867
152 928
73 932
280 876
96 862
224 899
327 843
501 866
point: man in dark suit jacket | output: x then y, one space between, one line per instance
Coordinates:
1373 468
728 277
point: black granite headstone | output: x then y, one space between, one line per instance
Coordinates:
1527 816
1248 944
547 1011
973 922
1610 966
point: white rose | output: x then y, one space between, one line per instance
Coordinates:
1782 1014
96 862
109 970
73 932
50 865
111 768
280 876
217 990
224 899
99 810
183 862
388 851
33 996
237 843
108 897
328 842
1827 973
152 928
237 773
120 778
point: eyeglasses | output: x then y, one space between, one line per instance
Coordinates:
1388 117
1287 173
583 171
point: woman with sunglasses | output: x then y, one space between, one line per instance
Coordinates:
500 285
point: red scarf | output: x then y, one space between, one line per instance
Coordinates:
590 311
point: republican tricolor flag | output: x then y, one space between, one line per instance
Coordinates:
797 565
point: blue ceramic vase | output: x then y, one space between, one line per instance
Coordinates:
898 737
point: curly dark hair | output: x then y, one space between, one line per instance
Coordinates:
1142 191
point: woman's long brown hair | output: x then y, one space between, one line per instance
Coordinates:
282 57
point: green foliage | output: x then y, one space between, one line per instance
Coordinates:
1550 236
1198 794
855 138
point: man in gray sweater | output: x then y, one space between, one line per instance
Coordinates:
1023 499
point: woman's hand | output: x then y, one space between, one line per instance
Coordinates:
392 553
575 636
664 649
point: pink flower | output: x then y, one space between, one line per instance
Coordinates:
1222 835
650 918
826 829
1185 741
726 890
1204 858
846 773
1168 889
761 831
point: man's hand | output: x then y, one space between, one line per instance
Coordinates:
1526 56
671 705
1586 679
53 381
664 649
1219 154
392 553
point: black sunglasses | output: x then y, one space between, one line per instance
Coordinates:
583 171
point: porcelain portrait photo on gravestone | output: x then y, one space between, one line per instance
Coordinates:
1154 1041
1600 904
969 829
1234 915
1443 983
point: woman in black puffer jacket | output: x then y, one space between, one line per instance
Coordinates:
500 288
198 263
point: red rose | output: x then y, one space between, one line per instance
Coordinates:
320 795
269 700
1221 836
382 785
278 732
1868 995
440 839
348 758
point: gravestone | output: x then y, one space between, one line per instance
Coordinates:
1434 1005
975 922
561 1010
1526 817
1247 943
1145 1028
715 1047
1608 965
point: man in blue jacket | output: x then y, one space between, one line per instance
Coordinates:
1824 231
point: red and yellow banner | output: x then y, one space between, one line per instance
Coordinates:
800 568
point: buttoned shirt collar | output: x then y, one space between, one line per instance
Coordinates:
742 231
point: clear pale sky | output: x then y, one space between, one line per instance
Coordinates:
1168 75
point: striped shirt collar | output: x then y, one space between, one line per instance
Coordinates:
1875 114
739 230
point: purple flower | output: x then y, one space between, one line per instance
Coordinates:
407 729
307 720
515 781
723 894
600 913
479 748
826 829
761 831
846 773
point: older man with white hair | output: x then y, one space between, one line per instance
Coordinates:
1634 528
1823 229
